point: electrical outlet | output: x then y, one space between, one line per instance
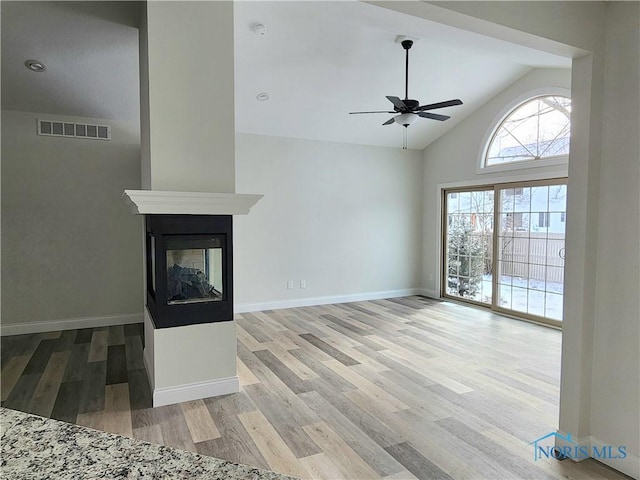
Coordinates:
303 284
290 285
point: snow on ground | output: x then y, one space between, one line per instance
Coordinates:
535 297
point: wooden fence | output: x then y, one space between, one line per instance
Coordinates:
533 255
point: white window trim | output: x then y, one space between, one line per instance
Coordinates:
557 161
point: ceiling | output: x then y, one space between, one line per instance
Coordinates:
91 53
317 61
320 60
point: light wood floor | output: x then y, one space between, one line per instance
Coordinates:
400 388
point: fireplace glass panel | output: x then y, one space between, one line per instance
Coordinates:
152 259
194 268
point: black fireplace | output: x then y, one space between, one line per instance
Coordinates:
189 269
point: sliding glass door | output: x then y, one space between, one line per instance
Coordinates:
513 260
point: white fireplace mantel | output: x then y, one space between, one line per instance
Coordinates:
153 202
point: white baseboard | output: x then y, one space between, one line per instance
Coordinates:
312 301
70 324
195 391
630 465
561 443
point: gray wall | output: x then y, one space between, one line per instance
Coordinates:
345 218
70 247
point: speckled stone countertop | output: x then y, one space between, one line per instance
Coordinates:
41 448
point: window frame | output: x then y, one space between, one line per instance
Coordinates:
509 108
496 185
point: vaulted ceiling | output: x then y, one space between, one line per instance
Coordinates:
317 61
320 60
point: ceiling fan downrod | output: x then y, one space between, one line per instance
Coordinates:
406 44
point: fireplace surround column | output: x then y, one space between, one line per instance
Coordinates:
188 170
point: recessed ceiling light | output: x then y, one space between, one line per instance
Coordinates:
35 66
259 28
262 97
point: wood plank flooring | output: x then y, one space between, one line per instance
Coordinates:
397 389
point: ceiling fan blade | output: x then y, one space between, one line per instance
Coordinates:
433 116
359 113
399 104
390 121
433 106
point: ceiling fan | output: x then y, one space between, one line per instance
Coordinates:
410 110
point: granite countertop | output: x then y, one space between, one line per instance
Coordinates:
41 448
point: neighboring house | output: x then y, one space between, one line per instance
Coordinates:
536 210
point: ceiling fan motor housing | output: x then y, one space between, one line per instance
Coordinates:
411 105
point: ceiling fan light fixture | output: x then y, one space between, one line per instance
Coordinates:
405 119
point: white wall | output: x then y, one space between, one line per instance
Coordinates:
70 247
615 403
345 218
188 110
453 159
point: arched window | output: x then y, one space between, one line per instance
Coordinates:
536 129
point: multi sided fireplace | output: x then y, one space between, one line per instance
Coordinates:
189 269
189 288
